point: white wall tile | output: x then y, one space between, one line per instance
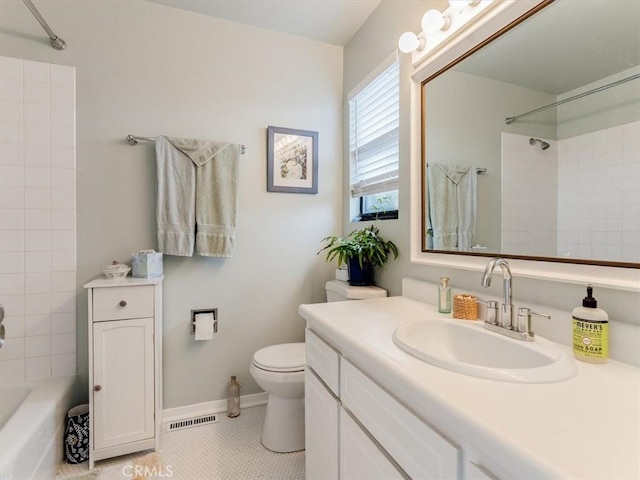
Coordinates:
37 155
37 198
11 67
13 349
63 343
11 197
39 367
63 302
63 322
11 89
64 240
63 219
11 176
11 241
36 72
37 325
11 132
37 113
62 116
37 240
36 92
11 111
37 219
38 346
63 157
62 136
38 177
37 282
63 262
11 154
14 326
12 262
62 95
63 75
63 199
37 135
37 304
37 262
63 178
11 219
12 284
63 282
63 364
13 305
13 371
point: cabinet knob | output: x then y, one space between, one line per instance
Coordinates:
123 303
97 388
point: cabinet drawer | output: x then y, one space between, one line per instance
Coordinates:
118 303
324 360
420 451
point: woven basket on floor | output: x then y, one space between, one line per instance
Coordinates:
465 307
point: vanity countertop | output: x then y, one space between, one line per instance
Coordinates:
584 427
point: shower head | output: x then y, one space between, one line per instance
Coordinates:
543 145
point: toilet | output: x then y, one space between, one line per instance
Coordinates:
279 371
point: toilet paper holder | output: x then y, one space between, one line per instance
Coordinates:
214 311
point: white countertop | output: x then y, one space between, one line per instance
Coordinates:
584 427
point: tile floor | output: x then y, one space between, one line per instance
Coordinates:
227 450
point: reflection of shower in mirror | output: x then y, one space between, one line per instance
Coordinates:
543 145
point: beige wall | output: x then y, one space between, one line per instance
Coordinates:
370 46
147 69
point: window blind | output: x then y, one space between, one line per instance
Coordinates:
373 135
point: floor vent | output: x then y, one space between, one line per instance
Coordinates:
189 422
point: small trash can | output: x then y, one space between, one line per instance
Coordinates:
76 434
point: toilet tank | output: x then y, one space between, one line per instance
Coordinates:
339 291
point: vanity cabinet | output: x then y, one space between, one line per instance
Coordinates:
361 431
124 366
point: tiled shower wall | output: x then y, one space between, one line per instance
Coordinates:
37 219
599 194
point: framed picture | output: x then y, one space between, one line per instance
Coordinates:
292 160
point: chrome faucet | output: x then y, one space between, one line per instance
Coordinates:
505 320
503 323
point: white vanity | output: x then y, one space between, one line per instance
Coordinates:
374 411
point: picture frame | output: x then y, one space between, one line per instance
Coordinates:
292 160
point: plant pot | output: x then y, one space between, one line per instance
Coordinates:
360 276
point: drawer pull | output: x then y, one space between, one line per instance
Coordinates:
123 303
97 388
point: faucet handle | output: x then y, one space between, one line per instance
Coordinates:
492 311
524 320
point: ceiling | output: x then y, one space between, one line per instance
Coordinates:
328 21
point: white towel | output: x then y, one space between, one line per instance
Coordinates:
175 209
452 206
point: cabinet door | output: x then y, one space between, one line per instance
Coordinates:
123 390
360 458
321 430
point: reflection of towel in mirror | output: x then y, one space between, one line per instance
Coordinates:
197 189
451 218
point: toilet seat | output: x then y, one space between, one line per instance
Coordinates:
286 357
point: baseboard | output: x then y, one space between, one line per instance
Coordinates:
208 408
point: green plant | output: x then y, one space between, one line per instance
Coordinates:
364 244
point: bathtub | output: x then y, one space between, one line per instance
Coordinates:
32 422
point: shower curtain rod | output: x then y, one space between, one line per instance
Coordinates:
134 139
510 120
56 41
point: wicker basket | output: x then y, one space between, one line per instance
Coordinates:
465 307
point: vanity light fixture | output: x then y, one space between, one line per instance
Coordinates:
438 26
410 42
434 21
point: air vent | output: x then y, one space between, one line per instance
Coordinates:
189 422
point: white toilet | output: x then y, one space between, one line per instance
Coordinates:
279 371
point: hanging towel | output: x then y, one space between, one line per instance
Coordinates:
176 203
452 206
216 192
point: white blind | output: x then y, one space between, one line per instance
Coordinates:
373 135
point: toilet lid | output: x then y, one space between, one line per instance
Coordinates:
286 357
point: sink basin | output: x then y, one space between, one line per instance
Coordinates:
466 347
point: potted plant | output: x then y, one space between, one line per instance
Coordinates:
361 250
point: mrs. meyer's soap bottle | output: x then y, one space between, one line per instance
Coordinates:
590 331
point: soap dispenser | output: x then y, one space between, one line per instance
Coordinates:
444 295
590 331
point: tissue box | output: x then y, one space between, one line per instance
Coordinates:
146 264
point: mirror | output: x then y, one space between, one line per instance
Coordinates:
560 185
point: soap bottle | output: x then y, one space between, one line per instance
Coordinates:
444 295
233 398
590 331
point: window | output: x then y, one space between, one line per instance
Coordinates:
373 145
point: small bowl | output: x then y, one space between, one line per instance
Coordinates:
116 271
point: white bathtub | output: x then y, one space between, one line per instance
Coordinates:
32 422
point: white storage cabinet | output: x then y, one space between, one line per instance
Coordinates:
125 360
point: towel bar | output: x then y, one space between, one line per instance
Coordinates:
134 139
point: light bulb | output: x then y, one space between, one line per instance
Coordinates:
408 42
433 22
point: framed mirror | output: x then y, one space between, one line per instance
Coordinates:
561 184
